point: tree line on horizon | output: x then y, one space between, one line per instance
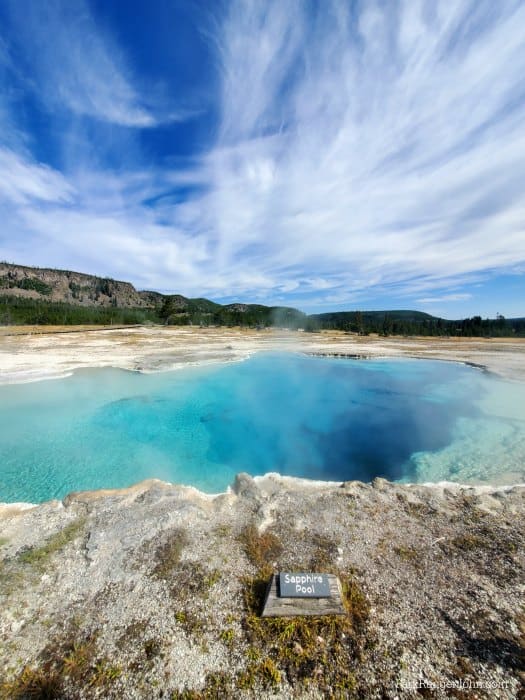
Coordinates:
177 310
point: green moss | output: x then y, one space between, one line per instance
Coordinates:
218 685
105 674
406 553
324 555
69 666
168 554
181 617
355 602
38 557
253 654
227 636
222 530
152 648
190 580
264 673
132 634
261 549
414 510
14 571
328 647
469 541
191 623
211 578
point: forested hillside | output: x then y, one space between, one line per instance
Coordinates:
59 297
416 323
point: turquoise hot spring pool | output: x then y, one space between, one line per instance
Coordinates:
329 419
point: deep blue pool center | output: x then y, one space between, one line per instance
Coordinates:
321 418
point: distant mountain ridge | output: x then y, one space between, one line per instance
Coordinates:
45 295
33 295
72 287
79 288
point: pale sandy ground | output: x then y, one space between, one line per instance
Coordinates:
35 353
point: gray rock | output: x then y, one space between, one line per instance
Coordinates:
150 584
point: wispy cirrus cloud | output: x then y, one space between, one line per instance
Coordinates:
382 144
445 297
361 148
76 65
23 181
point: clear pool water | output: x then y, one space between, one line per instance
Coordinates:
320 418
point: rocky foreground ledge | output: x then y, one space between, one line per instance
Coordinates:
155 591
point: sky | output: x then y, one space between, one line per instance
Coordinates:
328 155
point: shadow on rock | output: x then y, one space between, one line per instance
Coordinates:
503 651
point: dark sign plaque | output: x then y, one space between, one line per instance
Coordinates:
301 585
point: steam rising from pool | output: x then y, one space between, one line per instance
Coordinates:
408 420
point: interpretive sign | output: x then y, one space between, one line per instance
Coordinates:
303 585
283 599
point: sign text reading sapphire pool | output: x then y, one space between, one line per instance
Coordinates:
304 585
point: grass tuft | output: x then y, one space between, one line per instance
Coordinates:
78 660
33 683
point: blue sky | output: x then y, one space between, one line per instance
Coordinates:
326 155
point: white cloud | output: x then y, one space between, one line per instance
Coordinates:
445 297
23 181
78 66
382 154
375 149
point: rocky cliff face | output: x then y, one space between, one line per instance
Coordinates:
72 287
156 591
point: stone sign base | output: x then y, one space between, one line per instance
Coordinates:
275 606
